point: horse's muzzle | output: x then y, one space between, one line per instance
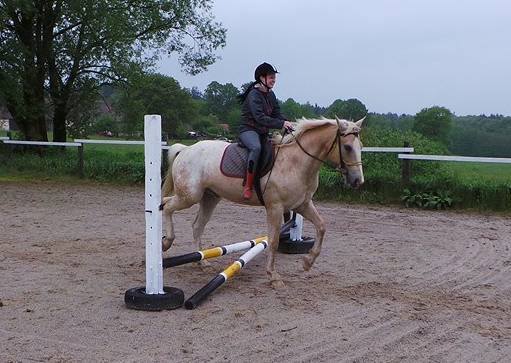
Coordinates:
354 181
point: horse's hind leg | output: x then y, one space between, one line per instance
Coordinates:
207 205
171 205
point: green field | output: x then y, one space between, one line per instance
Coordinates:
500 173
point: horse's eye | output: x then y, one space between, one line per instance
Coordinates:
348 148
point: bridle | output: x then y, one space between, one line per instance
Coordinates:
343 163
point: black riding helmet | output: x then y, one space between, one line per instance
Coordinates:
264 69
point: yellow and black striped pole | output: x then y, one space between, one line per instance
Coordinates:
225 275
211 253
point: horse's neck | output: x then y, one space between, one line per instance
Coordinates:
316 143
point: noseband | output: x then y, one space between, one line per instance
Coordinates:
343 163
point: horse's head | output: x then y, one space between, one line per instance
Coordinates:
347 153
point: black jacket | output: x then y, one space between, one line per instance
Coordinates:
260 112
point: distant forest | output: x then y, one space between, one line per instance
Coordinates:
480 135
215 112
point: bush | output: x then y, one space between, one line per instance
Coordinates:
433 183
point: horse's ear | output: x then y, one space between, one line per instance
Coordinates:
359 122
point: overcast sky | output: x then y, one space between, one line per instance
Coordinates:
393 55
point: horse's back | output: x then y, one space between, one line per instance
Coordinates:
201 156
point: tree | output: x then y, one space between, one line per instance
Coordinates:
351 109
434 122
156 94
221 99
55 44
196 93
294 110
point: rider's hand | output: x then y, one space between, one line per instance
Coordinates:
288 126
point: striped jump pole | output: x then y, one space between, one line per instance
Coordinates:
225 275
211 252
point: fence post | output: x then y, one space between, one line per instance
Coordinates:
406 167
80 160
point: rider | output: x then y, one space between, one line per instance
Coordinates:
260 112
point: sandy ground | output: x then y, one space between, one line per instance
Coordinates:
390 285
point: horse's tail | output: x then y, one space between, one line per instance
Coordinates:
168 184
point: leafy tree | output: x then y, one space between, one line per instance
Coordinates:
434 122
196 93
83 109
156 94
351 109
204 122
106 123
294 110
233 119
57 43
221 99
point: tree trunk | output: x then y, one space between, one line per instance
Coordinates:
33 121
59 122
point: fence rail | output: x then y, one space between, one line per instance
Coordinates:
113 142
473 159
2 138
388 149
42 143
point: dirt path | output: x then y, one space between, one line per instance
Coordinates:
391 284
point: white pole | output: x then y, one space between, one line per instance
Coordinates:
153 219
295 232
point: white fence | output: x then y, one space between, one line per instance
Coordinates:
388 149
404 153
113 142
472 159
42 143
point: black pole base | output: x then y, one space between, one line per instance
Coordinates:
137 299
286 245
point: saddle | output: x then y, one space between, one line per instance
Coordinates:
234 163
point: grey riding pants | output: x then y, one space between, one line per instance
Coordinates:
252 141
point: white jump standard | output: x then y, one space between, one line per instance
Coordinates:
153 296
225 275
211 252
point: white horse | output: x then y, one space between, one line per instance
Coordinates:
194 176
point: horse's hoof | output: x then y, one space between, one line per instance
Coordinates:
166 243
307 263
278 284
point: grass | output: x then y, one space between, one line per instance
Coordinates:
482 171
472 185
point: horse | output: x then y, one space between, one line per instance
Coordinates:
194 176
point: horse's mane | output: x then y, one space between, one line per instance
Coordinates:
303 125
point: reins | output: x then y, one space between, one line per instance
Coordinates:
343 163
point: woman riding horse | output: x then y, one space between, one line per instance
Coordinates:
260 112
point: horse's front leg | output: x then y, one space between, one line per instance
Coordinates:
309 212
274 219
